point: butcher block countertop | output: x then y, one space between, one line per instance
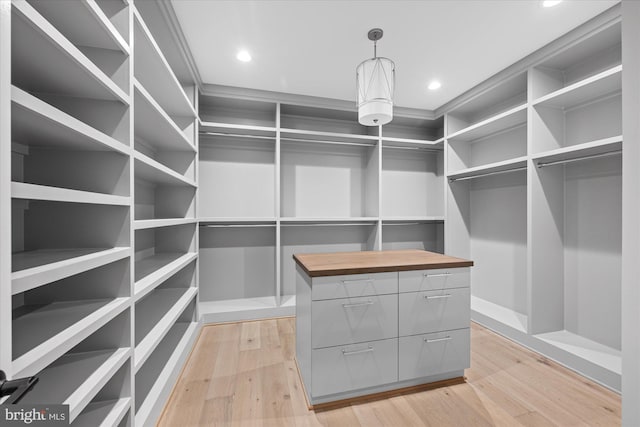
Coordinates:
340 263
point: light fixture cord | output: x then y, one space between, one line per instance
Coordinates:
375 45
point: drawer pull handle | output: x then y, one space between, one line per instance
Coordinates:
428 341
358 304
437 296
349 353
368 279
436 275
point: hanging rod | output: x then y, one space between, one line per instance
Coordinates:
238 135
575 159
235 225
464 178
401 147
324 224
321 141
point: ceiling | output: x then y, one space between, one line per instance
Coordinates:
313 47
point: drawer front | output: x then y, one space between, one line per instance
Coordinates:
344 368
354 285
433 354
427 280
353 320
434 311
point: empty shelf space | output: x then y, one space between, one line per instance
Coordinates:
222 221
412 219
591 88
153 171
161 368
158 263
83 22
153 71
155 277
504 315
41 333
490 169
233 130
327 221
155 315
68 71
36 123
154 125
143 224
390 142
302 136
579 151
592 351
103 413
504 121
75 378
21 190
34 268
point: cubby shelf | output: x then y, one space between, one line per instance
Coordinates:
155 315
155 126
510 119
21 190
47 332
37 42
75 378
153 270
589 89
84 23
35 268
104 413
587 149
171 352
153 71
155 172
492 168
34 122
143 224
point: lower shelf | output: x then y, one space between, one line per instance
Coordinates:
245 309
103 414
495 312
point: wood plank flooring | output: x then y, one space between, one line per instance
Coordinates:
244 374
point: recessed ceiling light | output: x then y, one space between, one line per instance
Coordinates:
243 56
434 85
551 3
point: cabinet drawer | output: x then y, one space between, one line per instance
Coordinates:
354 285
426 280
353 320
433 311
343 368
433 354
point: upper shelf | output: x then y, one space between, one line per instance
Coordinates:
232 130
507 120
587 149
150 170
83 22
154 125
154 72
36 123
22 190
36 42
589 89
490 169
313 136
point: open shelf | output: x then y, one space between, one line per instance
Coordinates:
41 333
35 268
292 221
499 313
422 234
412 131
298 120
514 117
153 71
212 129
153 171
153 277
221 114
75 378
154 379
239 221
492 168
156 314
144 224
104 413
84 23
242 309
21 190
36 123
35 42
392 220
579 151
594 87
301 137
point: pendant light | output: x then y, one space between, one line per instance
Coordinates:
375 80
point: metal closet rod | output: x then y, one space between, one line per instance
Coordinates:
464 178
325 224
323 141
235 225
576 159
401 147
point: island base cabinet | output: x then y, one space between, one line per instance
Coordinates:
433 354
351 367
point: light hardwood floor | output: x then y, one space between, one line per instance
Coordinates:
244 374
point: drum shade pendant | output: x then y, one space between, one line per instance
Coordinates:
375 80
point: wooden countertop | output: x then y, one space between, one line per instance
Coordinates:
339 263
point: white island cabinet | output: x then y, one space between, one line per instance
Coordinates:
380 323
